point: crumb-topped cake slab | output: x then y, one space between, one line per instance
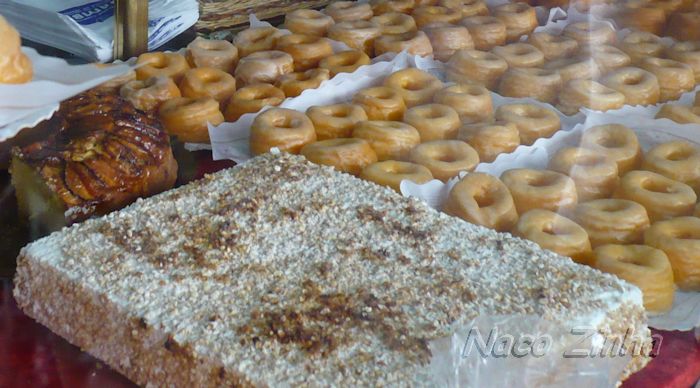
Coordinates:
281 271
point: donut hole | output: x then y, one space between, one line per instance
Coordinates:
656 186
614 207
555 229
485 197
284 122
158 63
338 113
531 113
685 234
588 160
634 260
521 50
632 79
543 180
400 168
679 155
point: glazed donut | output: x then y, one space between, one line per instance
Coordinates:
490 139
584 93
540 189
433 121
294 83
640 45
678 160
217 54
348 155
394 23
483 200
487 32
681 114
342 11
187 118
415 86
684 26
15 66
473 103
335 121
556 233
390 173
445 158
285 129
380 7
594 174
466 7
612 221
208 82
520 19
688 53
473 66
414 42
645 267
574 68
171 65
447 38
533 121
306 50
11 41
608 57
344 62
640 87
428 14
591 33
520 55
553 46
616 141
389 139
541 84
251 99
663 198
679 238
264 67
149 94
645 18
256 39
308 21
381 103
357 34
674 78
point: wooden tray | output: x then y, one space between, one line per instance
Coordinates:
222 14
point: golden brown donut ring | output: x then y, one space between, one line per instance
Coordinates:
643 18
466 7
294 84
640 87
380 7
553 46
343 11
640 45
556 233
389 139
149 94
344 62
155 64
348 155
585 93
381 103
520 55
490 139
540 189
445 158
264 67
357 34
427 14
307 50
487 31
483 200
520 19
591 33
645 267
473 66
187 118
390 173
688 53
335 121
684 26
219 54
414 42
433 121
285 129
208 82
473 103
674 78
574 68
533 121
541 84
394 23
447 38
618 142
681 114
608 57
678 160
593 172
251 99
415 86
679 238
612 221
256 39
663 198
308 21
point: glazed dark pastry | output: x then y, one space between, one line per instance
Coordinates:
100 155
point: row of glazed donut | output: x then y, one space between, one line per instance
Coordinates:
682 114
679 19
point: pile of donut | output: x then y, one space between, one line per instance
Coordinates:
679 19
15 66
682 114
606 204
412 127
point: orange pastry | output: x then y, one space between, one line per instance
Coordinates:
415 86
256 39
285 129
390 173
678 160
187 118
617 142
612 221
171 65
445 158
381 103
556 233
251 99
533 121
490 139
433 121
391 140
335 121
218 54
540 189
473 103
349 155
148 95
208 82
679 238
594 173
663 198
